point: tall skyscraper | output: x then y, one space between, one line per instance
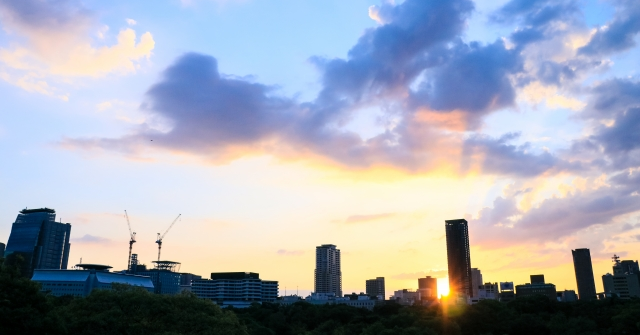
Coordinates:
476 281
40 240
328 277
428 288
584 274
375 287
458 258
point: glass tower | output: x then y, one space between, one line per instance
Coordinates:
458 258
40 240
328 276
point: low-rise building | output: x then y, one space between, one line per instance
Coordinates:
486 291
164 276
85 278
567 296
506 291
537 287
406 297
236 289
361 300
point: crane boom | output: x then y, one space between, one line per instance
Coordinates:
132 240
160 237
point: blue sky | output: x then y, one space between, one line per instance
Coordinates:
276 126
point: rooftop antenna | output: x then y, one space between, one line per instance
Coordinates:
132 240
615 258
159 238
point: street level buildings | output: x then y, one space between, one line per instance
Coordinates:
86 278
458 258
328 275
584 274
375 287
40 240
236 289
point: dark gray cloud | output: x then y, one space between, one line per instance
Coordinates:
614 110
56 15
556 218
619 33
500 157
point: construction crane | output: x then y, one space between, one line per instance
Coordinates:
131 241
159 238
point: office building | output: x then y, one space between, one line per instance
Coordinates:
2 246
458 259
327 275
476 281
375 287
40 240
486 291
164 275
86 278
506 291
537 287
428 288
625 280
354 300
567 296
406 297
584 274
236 289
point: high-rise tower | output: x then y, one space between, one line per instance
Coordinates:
458 258
328 277
584 274
40 240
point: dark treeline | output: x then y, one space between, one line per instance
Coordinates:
125 310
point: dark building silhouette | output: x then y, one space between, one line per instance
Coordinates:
327 275
458 258
537 287
2 246
40 240
584 274
428 288
375 287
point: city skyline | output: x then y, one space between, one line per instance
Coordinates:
275 127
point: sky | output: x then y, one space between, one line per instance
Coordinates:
273 127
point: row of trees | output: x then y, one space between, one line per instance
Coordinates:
126 310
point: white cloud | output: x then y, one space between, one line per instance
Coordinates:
131 22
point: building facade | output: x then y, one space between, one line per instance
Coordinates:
567 296
2 247
537 287
40 240
428 288
406 297
328 274
458 258
164 275
476 281
625 280
237 289
584 274
375 287
81 282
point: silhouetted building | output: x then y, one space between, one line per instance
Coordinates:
537 279
506 291
165 278
476 281
406 297
458 258
584 274
236 289
537 287
567 296
80 282
375 287
428 288
40 240
327 275
2 246
625 281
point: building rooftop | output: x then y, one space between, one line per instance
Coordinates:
37 210
234 275
97 267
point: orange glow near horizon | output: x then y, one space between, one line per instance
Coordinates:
443 287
